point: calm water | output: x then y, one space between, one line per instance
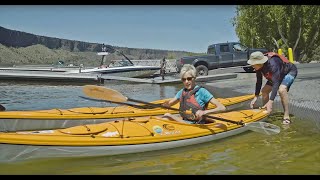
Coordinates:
295 150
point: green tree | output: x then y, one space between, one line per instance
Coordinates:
279 26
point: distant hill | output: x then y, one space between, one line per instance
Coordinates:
18 48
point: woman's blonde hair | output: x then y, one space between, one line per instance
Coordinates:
188 68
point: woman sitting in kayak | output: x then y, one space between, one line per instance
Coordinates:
193 99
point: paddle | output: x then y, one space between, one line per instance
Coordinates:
122 103
107 94
111 95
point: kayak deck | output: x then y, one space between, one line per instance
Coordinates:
129 135
129 131
106 112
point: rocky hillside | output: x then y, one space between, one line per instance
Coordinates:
18 48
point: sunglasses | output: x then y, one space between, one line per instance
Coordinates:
188 78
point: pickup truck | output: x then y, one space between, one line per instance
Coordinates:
220 55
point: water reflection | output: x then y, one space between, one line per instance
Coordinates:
295 150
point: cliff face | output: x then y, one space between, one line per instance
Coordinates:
16 39
21 48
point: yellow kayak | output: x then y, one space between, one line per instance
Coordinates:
128 135
62 118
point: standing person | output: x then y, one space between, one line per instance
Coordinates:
104 48
280 74
163 68
192 97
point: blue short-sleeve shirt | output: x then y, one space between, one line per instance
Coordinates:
202 96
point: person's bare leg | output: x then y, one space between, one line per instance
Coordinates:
173 117
284 100
265 93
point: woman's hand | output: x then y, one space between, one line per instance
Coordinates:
199 114
166 104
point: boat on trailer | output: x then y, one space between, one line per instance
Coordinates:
123 68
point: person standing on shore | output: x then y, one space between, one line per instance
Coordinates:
163 64
280 73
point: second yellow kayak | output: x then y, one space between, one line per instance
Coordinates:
62 118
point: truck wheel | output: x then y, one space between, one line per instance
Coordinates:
249 69
202 70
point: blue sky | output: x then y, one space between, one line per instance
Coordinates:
168 27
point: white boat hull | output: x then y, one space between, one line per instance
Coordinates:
125 71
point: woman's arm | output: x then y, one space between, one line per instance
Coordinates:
171 102
219 108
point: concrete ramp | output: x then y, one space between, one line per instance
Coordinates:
169 81
106 77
